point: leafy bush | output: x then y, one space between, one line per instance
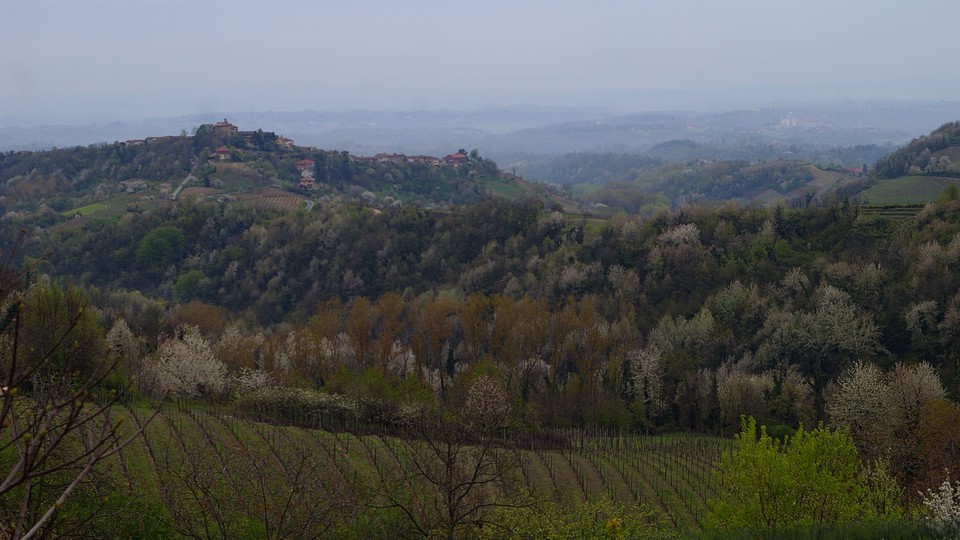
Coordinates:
812 481
600 518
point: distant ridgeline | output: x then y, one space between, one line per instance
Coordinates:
221 162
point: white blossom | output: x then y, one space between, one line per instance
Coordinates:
911 388
486 405
687 233
188 367
648 379
943 508
860 402
249 380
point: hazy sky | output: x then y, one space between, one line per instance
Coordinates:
126 59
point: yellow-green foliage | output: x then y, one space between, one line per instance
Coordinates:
811 481
85 210
594 519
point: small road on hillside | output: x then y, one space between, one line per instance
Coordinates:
176 192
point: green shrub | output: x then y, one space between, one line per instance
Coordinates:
594 519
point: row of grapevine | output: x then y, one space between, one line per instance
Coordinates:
236 468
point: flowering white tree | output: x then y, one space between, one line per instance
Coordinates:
943 508
248 380
883 410
911 387
486 406
187 367
687 233
860 403
648 379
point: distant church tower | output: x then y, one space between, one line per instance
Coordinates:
789 120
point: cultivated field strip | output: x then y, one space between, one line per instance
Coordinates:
667 473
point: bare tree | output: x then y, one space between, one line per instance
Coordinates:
54 428
465 465
218 486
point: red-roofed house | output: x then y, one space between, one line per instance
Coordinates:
456 159
304 165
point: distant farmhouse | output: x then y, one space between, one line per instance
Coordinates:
221 153
456 159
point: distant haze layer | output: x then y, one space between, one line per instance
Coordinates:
121 60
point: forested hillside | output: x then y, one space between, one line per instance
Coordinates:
700 290
703 287
926 154
481 330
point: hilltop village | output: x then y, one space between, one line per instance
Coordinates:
234 140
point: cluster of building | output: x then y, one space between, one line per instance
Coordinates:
455 159
305 167
148 140
226 130
790 121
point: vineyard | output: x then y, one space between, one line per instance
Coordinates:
907 190
272 198
208 472
290 203
896 212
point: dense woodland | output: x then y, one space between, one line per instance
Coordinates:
686 319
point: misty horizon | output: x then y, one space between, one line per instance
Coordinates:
122 61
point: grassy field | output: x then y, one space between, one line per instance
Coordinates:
200 469
86 210
111 210
510 189
907 190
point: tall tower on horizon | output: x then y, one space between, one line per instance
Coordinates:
789 120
